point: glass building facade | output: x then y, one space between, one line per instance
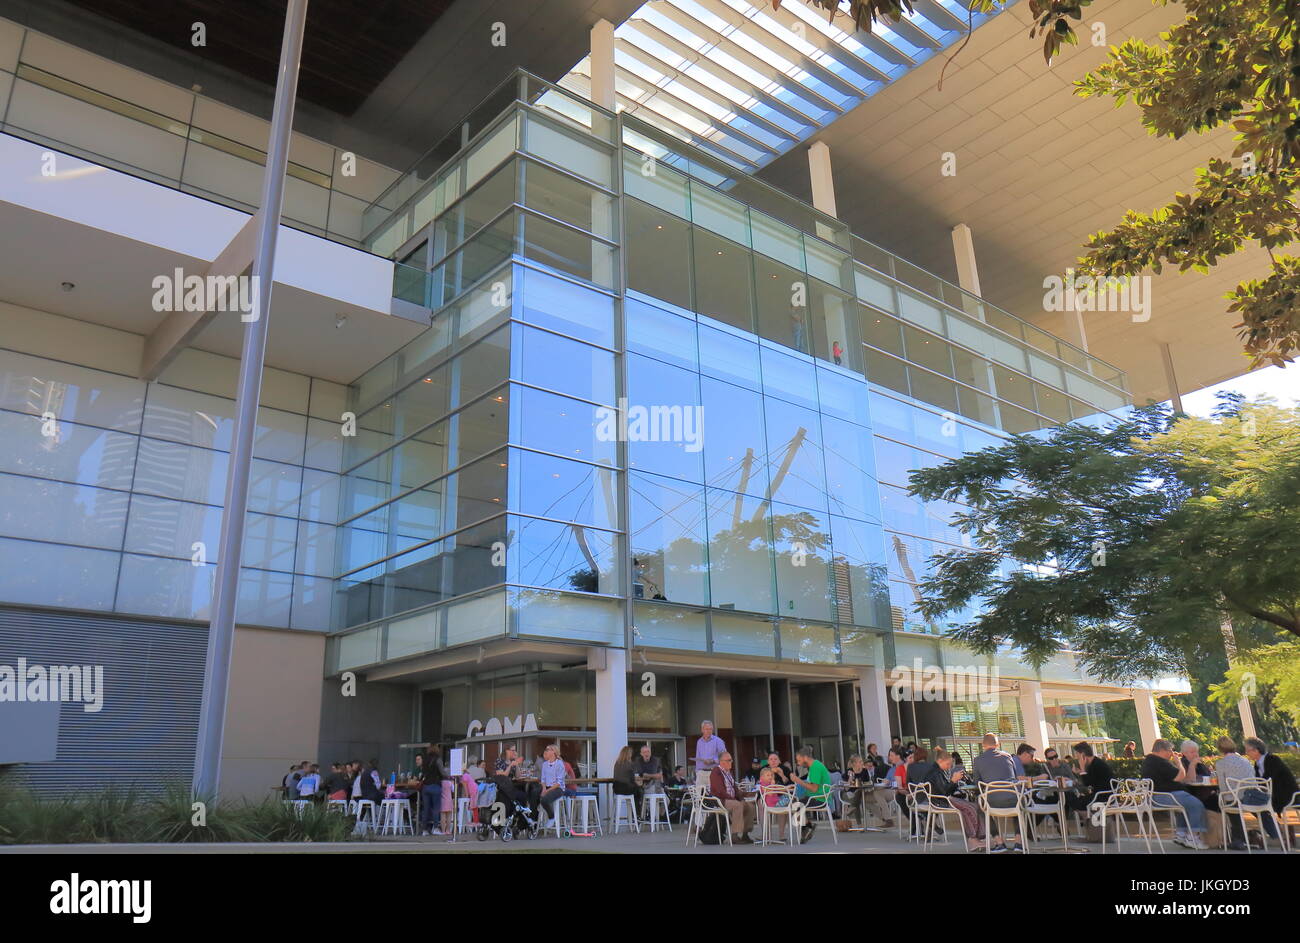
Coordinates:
661 406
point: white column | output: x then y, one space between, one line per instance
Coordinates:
1033 714
610 666
823 183
963 249
602 64
1148 723
875 708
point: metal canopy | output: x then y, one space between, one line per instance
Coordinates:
748 82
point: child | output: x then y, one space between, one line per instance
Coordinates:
775 798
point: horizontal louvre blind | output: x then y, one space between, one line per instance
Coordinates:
144 736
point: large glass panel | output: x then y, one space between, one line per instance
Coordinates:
559 424
734 442
491 150
562 556
567 307
809 644
669 627
479 207
886 370
719 214
844 396
665 423
927 350
723 280
874 290
789 377
668 540
661 334
563 490
480 427
69 514
802 540
483 366
567 250
555 615
834 318
728 356
570 200
850 469
858 563
656 184
1014 388
576 153
794 454
920 311
781 298
935 390
777 240
740 552
881 331
567 366
739 635
477 491
657 247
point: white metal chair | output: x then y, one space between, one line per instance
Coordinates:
299 805
1162 802
1250 796
1290 811
704 805
935 808
1035 807
366 814
815 807
769 812
339 805
1132 797
1002 800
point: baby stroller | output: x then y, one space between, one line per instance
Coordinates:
495 821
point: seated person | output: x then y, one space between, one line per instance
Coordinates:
775 800
1231 769
1093 778
814 788
724 788
1158 767
625 783
648 771
510 791
944 790
1189 758
552 777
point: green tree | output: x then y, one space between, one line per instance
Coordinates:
1128 543
1273 668
1229 62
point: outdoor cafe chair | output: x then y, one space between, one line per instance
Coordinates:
769 812
1234 800
1290 820
816 807
1036 807
704 805
1133 797
1012 807
935 808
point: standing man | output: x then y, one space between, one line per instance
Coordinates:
722 786
814 787
708 750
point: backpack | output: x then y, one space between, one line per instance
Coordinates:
711 831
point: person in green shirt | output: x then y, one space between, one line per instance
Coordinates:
814 786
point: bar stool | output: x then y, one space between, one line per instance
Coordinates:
656 800
341 805
625 813
364 810
395 817
585 807
299 805
561 816
464 814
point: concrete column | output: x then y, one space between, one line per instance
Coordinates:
1033 714
610 666
1148 723
875 708
602 64
968 275
963 249
823 183
1171 378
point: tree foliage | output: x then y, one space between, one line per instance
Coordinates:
1272 667
1127 543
